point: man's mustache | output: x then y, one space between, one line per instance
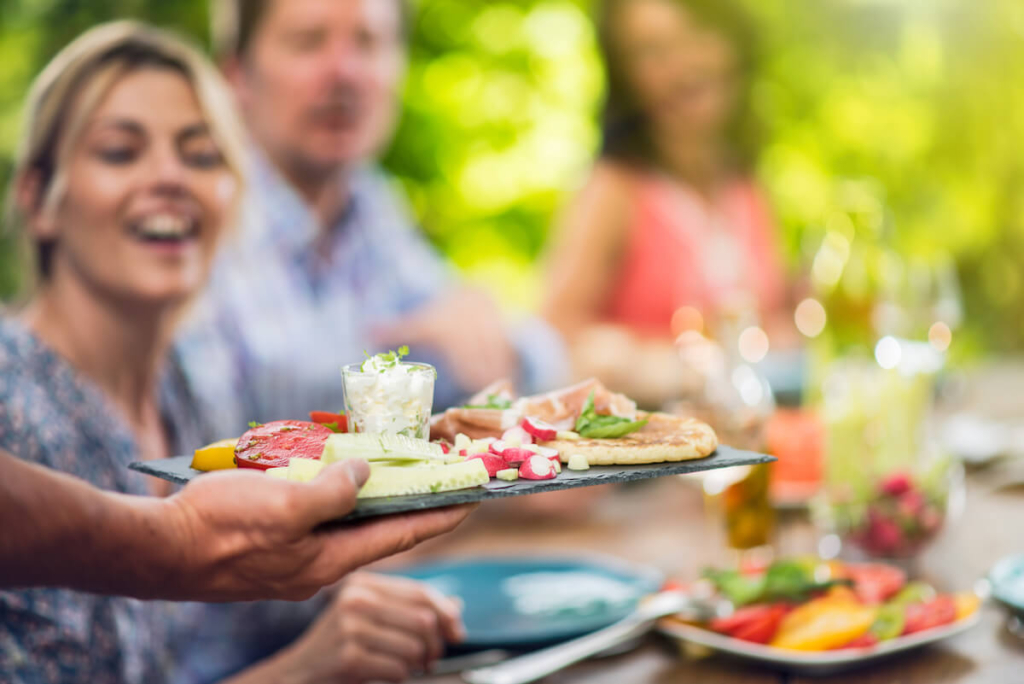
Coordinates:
339 102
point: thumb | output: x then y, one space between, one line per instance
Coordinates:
332 494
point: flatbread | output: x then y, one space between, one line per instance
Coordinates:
664 439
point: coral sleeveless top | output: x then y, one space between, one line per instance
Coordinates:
682 250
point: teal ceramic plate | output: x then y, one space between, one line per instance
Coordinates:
520 603
1007 578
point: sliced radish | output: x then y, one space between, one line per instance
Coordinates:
517 455
548 452
491 462
444 447
537 468
498 446
517 436
542 431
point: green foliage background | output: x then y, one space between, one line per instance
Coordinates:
897 125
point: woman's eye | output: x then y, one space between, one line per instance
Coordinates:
204 160
116 155
200 151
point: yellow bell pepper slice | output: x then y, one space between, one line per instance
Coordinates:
217 456
966 604
825 623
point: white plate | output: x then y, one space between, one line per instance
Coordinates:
813 663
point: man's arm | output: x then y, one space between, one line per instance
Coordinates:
228 536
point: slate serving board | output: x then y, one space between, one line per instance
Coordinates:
177 470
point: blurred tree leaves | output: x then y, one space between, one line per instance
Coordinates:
916 105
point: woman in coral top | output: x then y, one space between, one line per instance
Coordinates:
670 228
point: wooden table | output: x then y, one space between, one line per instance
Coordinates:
663 525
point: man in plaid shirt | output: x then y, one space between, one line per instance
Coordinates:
326 262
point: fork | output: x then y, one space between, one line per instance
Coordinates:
534 666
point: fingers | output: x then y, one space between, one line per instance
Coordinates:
383 611
363 665
406 591
332 494
415 621
348 548
404 646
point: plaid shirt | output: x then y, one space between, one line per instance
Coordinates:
289 304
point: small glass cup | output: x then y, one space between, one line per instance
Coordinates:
888 489
397 401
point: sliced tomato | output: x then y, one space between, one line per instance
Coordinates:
874 582
921 616
338 422
867 640
752 622
274 444
763 629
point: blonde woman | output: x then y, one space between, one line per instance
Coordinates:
127 176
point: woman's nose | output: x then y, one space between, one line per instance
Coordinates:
167 168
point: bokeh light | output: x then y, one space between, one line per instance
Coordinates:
685 319
810 317
940 336
753 344
888 352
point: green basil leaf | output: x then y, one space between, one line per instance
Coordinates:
587 413
609 430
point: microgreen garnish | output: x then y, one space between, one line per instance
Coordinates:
595 426
385 360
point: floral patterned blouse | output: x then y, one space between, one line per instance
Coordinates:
50 414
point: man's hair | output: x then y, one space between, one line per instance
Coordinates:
235 23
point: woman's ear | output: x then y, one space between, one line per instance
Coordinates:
39 220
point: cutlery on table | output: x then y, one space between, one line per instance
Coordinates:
534 666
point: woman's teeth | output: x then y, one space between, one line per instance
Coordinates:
164 227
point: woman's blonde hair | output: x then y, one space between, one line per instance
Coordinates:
67 92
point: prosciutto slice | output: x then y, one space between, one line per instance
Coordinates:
559 408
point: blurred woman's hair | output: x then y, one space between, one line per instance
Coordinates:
625 135
67 92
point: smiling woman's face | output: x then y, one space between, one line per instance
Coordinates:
681 73
146 194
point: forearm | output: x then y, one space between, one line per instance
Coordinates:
542 355
647 370
61 531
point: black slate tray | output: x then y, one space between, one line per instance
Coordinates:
177 470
